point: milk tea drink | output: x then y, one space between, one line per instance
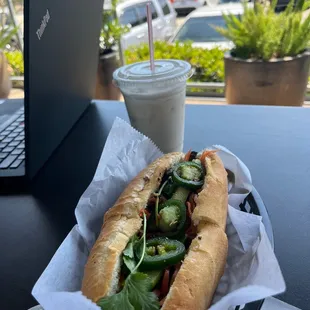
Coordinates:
155 101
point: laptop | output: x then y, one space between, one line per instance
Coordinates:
61 57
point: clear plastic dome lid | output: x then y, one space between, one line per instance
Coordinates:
167 71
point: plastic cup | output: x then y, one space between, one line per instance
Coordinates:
155 101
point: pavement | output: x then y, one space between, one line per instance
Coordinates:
19 93
16 93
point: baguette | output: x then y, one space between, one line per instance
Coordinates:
204 263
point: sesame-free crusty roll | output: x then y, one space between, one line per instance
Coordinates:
121 222
204 265
204 262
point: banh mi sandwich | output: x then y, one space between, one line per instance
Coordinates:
163 243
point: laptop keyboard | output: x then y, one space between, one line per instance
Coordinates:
12 143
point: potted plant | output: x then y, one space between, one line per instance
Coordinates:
269 64
6 35
109 54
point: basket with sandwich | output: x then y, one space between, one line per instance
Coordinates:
163 243
166 232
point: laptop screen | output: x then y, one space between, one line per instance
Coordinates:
61 58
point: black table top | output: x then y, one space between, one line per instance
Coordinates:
273 142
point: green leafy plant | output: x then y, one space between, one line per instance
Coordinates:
6 35
112 30
262 34
16 62
208 64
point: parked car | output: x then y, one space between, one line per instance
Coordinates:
198 26
280 6
183 7
133 13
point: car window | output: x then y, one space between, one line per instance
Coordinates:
129 16
141 8
200 29
154 12
165 7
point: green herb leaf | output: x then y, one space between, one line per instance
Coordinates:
128 254
139 296
130 263
129 248
134 296
118 301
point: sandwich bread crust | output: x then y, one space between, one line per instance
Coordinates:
203 266
121 222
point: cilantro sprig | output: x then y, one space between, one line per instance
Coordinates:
128 254
135 294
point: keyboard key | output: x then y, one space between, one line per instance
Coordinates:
22 156
15 123
21 146
14 143
7 162
3 155
16 163
1 138
17 151
18 138
8 149
19 129
13 134
5 133
11 128
20 119
22 134
3 145
7 140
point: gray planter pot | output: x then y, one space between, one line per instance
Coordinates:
105 88
280 82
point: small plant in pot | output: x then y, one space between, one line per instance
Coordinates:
6 35
269 64
109 54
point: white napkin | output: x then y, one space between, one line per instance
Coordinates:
252 270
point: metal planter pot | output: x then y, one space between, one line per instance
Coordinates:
105 88
280 82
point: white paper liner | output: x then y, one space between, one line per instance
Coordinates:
252 270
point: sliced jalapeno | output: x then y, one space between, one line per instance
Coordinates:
167 252
169 189
172 218
188 174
